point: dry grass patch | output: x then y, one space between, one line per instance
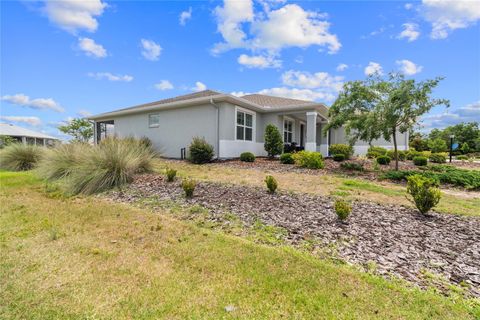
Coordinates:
87 258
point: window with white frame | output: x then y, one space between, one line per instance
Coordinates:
288 131
153 120
244 126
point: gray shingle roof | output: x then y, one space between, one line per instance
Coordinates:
273 101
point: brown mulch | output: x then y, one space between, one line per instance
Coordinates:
399 240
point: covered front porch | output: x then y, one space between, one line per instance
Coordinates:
304 130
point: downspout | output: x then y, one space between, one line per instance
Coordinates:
218 126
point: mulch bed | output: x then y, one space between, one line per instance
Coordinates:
399 240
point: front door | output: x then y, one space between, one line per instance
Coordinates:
302 135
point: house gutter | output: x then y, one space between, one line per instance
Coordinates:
212 102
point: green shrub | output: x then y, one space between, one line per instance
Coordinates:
420 161
200 151
461 157
171 174
188 186
309 159
247 157
424 192
469 179
273 141
465 148
112 163
59 162
271 183
338 157
412 153
375 152
401 154
344 149
352 166
5 141
383 160
287 158
438 158
342 209
20 157
437 145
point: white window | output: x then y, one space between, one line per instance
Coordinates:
244 126
153 120
288 131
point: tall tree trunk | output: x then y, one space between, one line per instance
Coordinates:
395 152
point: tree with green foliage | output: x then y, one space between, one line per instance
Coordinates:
437 145
465 133
273 141
382 107
79 128
5 141
418 142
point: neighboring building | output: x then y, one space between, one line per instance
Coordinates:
231 124
26 136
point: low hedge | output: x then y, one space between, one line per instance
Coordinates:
287 158
437 158
420 161
469 179
247 157
352 166
309 159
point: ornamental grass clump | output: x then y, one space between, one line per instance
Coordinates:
171 174
112 163
20 157
60 161
188 186
424 192
342 209
271 183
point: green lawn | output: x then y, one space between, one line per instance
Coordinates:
86 258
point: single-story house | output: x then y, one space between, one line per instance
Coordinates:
26 136
231 124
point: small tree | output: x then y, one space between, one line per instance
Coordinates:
437 145
382 107
424 192
5 141
79 128
273 141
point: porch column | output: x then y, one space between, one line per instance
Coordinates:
311 144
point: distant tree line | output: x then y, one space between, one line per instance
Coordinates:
467 135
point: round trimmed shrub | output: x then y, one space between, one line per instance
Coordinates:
412 153
200 151
247 157
375 152
287 158
339 148
420 161
338 157
342 209
383 160
438 158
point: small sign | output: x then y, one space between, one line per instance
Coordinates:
454 146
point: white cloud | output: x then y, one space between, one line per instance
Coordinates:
292 26
239 93
110 77
295 93
449 15
372 68
342 67
408 67
38 103
84 113
184 16
199 86
74 15
33 121
408 6
318 80
259 62
467 113
164 85
410 32
91 48
271 30
151 50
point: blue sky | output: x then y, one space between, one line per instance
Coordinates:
64 59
